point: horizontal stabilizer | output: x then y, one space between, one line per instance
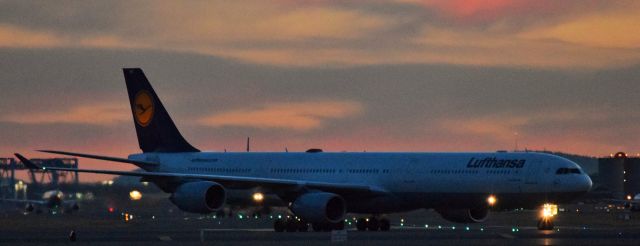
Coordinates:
27 163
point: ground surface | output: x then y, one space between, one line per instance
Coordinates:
418 228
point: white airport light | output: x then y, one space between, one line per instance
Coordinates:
628 197
258 197
492 200
135 195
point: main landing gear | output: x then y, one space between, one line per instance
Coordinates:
298 225
373 224
290 225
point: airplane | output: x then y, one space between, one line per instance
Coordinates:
321 188
52 199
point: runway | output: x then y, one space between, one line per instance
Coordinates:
51 230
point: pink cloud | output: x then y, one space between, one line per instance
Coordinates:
491 10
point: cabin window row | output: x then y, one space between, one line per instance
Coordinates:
498 171
294 170
456 171
363 171
220 169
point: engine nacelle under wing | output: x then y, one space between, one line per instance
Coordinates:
468 215
199 197
319 207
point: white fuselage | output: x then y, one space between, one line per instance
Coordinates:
412 180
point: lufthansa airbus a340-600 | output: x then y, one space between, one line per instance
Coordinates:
321 188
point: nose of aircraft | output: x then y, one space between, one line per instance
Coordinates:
584 183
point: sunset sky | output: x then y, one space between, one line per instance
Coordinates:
397 75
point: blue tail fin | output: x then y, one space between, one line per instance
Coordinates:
154 127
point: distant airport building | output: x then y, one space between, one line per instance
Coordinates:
37 177
619 175
611 174
632 176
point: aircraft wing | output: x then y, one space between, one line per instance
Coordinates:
39 202
69 202
276 184
104 158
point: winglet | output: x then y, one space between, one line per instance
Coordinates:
27 162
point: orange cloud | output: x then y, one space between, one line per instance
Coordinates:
301 116
100 114
503 126
12 36
612 29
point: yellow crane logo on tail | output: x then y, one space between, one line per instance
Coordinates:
143 108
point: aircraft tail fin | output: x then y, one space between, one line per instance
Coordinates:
154 127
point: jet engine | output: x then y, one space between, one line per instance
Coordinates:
319 207
467 215
199 197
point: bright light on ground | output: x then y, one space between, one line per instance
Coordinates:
135 195
492 200
258 197
549 210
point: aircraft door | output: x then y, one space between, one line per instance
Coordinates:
411 179
532 176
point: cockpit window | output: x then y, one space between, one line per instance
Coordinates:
563 170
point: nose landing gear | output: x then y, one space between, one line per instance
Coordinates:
547 214
373 224
297 225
